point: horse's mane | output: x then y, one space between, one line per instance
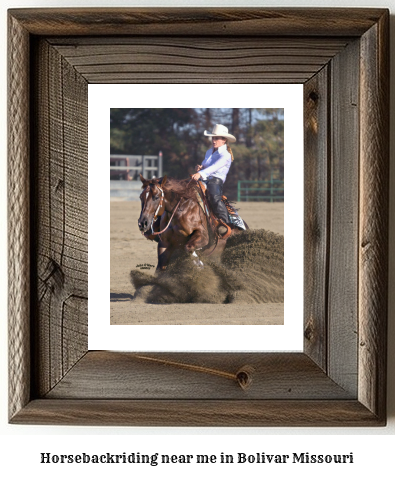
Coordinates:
184 188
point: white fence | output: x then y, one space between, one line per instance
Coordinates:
128 166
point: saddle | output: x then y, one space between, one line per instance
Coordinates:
215 222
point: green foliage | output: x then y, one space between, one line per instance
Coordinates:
178 133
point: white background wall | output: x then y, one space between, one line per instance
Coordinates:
21 445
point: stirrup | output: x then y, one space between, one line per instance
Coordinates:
226 234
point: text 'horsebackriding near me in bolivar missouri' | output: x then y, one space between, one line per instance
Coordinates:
192 215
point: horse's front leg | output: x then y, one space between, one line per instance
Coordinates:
164 253
197 240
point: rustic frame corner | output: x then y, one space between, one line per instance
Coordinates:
342 58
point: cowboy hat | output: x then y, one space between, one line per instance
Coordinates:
220 130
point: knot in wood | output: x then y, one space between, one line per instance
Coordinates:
313 96
244 376
309 331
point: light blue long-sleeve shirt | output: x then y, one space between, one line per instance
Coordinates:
216 164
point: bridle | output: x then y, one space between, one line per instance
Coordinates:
158 213
158 209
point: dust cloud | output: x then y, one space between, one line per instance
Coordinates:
251 270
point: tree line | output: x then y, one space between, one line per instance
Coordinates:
178 133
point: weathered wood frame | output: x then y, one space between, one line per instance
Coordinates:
342 57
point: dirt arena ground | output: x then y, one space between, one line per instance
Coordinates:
130 250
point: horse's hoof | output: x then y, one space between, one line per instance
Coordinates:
199 264
196 260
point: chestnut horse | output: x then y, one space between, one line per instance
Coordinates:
172 216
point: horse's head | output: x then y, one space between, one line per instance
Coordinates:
152 202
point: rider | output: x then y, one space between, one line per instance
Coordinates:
214 170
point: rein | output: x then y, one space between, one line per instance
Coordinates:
168 224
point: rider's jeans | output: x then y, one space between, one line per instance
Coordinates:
214 191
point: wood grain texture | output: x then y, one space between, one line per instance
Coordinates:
202 413
316 226
373 235
343 246
61 199
18 212
348 225
242 60
196 376
199 21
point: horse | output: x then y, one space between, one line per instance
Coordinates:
172 216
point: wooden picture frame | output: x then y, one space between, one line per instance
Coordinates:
342 58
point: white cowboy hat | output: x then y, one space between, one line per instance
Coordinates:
221 130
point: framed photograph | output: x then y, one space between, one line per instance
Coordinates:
264 185
341 59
